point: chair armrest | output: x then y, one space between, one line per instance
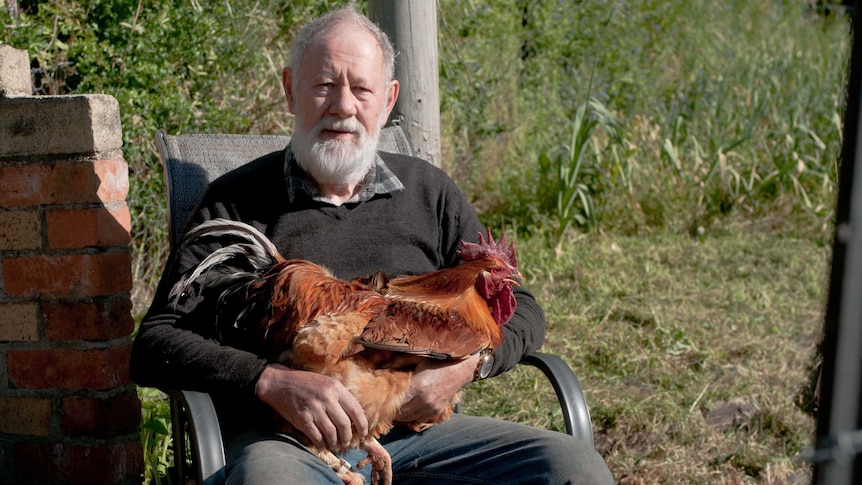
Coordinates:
576 413
196 409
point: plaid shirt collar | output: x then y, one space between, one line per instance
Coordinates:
379 180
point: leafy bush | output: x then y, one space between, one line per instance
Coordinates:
175 65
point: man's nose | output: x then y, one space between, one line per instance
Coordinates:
343 102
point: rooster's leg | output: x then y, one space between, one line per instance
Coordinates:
381 462
342 468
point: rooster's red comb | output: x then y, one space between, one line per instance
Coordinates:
473 251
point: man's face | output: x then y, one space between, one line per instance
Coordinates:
341 98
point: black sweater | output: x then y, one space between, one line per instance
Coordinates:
412 231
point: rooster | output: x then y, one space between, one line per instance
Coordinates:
369 333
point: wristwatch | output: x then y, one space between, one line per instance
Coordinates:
486 362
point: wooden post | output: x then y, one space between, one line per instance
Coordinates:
412 27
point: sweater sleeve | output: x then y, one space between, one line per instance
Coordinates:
176 346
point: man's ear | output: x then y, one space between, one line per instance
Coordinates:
391 97
287 83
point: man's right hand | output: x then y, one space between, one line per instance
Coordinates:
318 406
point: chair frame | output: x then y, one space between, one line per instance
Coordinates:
197 441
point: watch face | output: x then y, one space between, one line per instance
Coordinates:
487 363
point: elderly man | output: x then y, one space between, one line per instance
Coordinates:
331 198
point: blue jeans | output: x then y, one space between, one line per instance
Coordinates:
465 449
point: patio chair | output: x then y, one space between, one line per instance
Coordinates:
190 162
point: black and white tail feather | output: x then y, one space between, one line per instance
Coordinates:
227 271
225 265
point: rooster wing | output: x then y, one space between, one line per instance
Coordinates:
441 314
422 329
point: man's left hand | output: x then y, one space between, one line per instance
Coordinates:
434 385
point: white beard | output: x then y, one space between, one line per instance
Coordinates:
337 162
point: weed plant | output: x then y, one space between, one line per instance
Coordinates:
710 115
667 166
156 436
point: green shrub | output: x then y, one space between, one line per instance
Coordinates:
180 66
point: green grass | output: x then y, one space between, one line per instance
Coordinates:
663 330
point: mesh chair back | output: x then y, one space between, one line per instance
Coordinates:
192 161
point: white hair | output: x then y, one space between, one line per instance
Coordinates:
323 26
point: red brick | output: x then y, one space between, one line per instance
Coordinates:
25 185
20 230
69 369
114 177
19 322
82 228
101 418
24 415
78 464
90 181
76 181
101 320
74 276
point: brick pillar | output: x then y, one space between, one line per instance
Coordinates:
69 412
